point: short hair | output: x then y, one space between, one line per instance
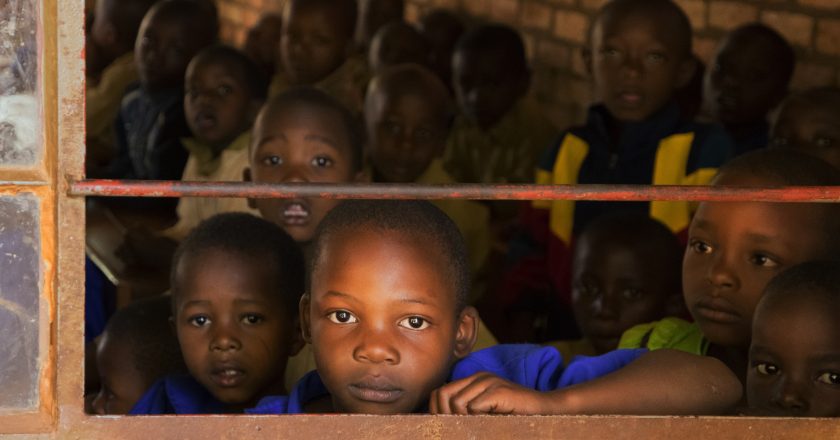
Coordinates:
308 95
814 277
416 218
144 327
499 40
827 98
244 68
783 53
412 79
249 237
347 10
401 41
201 15
444 21
126 16
673 14
643 235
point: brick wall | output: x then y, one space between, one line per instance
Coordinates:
554 32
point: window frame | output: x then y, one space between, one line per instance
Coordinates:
61 411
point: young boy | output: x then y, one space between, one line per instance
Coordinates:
807 121
236 280
151 119
408 112
735 248
639 55
262 42
747 79
111 39
390 328
442 30
316 49
794 368
375 14
626 271
397 43
137 349
499 133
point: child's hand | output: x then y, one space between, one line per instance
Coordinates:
485 393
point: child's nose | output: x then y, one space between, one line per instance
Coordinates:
721 273
605 306
295 174
791 395
376 348
631 66
224 339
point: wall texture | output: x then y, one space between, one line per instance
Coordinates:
554 32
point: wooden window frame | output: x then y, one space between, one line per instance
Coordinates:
61 411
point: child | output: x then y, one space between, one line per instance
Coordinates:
499 133
316 49
373 15
748 78
137 349
397 43
639 55
442 30
626 271
807 121
408 112
112 37
734 249
262 42
391 327
151 119
236 281
794 364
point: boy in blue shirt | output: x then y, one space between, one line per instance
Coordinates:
387 318
236 281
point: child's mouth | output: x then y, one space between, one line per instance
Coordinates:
205 121
716 311
376 390
228 377
295 213
630 98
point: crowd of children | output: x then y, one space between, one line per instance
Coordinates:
312 305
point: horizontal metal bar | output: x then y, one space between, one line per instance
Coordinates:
625 193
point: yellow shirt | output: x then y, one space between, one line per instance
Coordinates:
507 153
570 349
202 165
103 103
347 83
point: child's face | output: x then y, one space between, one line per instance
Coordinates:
218 106
812 129
485 92
263 40
734 249
164 48
300 143
382 322
406 134
744 81
794 367
615 288
122 385
312 45
635 66
235 333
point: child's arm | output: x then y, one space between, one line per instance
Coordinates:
659 382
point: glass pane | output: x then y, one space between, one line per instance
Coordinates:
20 281
20 118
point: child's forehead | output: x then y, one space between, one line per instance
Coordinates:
296 115
657 26
216 67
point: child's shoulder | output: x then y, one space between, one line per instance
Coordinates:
178 394
308 389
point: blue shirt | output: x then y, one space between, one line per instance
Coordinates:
531 366
178 394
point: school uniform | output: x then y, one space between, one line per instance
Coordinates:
531 366
178 394
102 102
347 83
758 136
204 165
673 333
506 153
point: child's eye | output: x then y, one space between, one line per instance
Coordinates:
830 378
766 369
587 290
700 247
252 318
763 260
779 142
632 294
824 142
414 323
272 160
656 58
199 321
322 162
342 317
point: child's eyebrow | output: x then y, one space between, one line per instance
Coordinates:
196 302
826 358
328 141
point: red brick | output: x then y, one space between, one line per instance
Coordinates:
810 75
593 5
505 11
696 11
832 5
729 15
828 36
571 26
553 54
476 7
536 15
704 48
797 28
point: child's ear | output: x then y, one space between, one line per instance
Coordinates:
297 341
246 177
686 71
303 309
467 331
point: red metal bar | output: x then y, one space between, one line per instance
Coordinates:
627 193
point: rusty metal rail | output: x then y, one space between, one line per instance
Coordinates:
626 193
